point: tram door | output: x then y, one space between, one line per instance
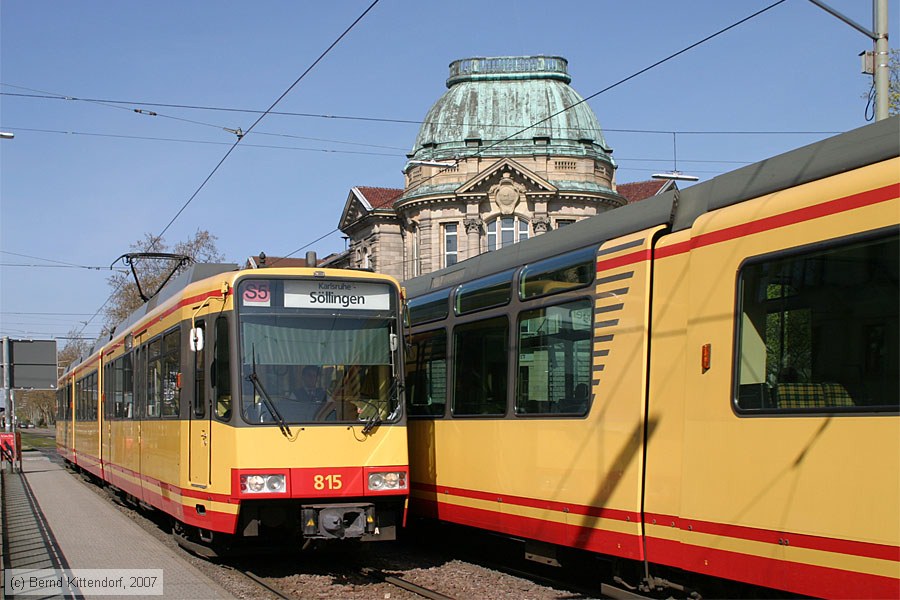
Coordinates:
200 424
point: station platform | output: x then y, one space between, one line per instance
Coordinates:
53 521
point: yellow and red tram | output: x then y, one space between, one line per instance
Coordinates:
261 404
701 384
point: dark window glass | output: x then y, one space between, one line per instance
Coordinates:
494 290
171 382
127 387
95 396
480 376
819 330
558 274
554 375
200 375
223 370
426 373
116 386
154 379
429 307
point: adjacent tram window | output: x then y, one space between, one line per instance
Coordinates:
222 371
429 307
120 398
558 274
819 330
154 378
426 373
171 360
127 387
200 375
554 374
493 290
480 372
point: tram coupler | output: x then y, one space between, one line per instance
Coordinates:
337 521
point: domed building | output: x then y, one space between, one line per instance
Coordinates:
510 151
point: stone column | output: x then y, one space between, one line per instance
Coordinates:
473 236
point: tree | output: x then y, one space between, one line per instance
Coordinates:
894 85
124 298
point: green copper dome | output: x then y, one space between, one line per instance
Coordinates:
491 102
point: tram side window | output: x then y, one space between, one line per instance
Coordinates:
127 387
554 373
140 382
430 307
77 400
154 378
122 395
426 373
558 274
200 375
480 351
94 396
819 330
222 371
171 381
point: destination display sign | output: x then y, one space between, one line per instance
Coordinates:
344 295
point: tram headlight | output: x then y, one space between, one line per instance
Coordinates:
263 484
275 483
387 480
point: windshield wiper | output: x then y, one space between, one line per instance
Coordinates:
257 384
372 422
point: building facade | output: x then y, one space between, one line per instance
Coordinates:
510 151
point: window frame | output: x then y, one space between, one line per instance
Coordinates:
797 254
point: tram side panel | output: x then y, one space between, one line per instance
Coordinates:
790 469
86 441
667 398
541 469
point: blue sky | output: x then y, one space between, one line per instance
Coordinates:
83 197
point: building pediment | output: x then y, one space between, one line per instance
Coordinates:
506 172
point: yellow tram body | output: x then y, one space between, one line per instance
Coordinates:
743 368
172 423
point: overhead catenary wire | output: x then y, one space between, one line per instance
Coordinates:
266 112
417 122
594 95
241 137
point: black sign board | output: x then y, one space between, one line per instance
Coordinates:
32 364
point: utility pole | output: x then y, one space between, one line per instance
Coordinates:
882 57
8 394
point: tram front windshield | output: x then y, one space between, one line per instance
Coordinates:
308 363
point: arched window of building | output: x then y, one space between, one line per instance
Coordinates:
505 231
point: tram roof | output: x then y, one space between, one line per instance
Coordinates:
678 209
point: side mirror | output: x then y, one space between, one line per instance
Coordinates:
196 339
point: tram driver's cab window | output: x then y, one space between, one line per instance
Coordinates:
818 330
